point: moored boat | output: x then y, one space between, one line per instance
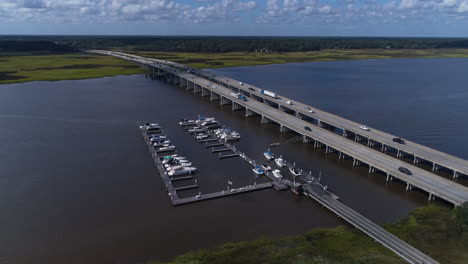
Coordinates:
294 172
268 155
277 174
258 170
280 162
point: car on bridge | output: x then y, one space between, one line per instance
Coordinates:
399 140
251 89
364 128
310 110
307 128
405 170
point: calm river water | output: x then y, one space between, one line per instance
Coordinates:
77 184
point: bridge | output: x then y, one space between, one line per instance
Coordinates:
295 117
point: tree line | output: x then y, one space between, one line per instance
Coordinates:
223 44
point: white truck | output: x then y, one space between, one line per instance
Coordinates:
268 93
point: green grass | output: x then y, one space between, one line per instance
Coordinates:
233 59
440 232
20 67
23 67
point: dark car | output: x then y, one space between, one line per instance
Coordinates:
405 170
399 140
251 89
307 128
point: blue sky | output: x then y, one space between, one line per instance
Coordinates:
439 18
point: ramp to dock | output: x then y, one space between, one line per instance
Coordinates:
398 246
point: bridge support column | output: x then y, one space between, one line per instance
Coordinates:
415 160
283 129
299 115
389 177
398 154
214 96
190 85
371 169
305 139
183 82
356 162
356 138
224 101
236 106
384 148
434 167
197 88
409 187
265 120
455 174
319 123
205 92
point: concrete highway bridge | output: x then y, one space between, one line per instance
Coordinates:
336 134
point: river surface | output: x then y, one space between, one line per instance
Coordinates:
77 184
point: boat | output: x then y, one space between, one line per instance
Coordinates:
277 174
167 148
181 170
274 144
202 136
156 137
147 125
195 130
265 167
209 122
258 170
161 143
187 122
294 172
280 162
268 155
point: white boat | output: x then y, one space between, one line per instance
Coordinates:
162 143
280 162
202 136
258 170
294 172
149 125
186 122
181 170
265 167
209 122
164 149
268 155
277 174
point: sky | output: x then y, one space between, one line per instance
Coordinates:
425 18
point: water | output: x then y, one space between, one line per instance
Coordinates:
77 184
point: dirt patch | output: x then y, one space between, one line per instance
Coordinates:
6 75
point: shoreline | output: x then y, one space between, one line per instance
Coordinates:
21 68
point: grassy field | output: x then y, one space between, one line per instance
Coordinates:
439 232
21 67
218 60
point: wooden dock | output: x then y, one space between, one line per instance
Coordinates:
223 193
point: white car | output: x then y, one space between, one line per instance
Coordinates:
310 110
364 128
289 102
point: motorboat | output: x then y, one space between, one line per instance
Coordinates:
294 172
202 136
181 170
280 162
165 149
209 122
258 170
274 144
265 167
195 130
162 143
187 122
277 174
156 137
268 155
149 125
